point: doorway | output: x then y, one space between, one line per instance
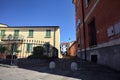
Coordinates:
94 58
92 33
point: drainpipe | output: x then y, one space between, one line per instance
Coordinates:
83 18
54 43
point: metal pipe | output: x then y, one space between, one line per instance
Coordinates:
83 18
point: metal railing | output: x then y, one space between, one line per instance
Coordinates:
11 37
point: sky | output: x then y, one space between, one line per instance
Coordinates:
40 13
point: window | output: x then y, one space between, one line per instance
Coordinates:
66 45
29 48
2 33
87 2
78 45
66 48
16 34
48 33
92 33
78 22
30 34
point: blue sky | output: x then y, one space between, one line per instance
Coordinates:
40 13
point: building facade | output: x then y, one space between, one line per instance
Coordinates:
72 49
98 31
64 47
22 39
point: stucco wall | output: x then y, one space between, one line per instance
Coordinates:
39 37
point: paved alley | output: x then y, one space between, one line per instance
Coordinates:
93 72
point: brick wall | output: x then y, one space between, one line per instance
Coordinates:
72 49
106 14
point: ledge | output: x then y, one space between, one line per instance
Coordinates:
48 37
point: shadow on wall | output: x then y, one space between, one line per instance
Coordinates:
45 51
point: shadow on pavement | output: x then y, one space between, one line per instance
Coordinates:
86 70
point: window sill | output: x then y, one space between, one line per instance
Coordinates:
93 46
48 37
30 36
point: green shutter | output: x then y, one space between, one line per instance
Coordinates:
48 33
30 33
3 33
29 48
16 34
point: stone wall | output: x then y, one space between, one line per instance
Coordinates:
32 62
108 56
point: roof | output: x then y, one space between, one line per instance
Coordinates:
73 1
3 25
64 43
31 27
72 44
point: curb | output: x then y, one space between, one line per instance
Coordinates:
9 66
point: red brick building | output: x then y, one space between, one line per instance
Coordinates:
98 31
72 49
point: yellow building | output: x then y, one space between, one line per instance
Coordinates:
22 39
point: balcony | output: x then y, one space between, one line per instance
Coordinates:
11 37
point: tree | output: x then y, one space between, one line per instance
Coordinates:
47 48
2 49
37 53
39 50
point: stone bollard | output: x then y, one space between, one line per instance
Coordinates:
52 65
74 66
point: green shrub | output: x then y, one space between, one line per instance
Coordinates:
39 50
2 49
37 53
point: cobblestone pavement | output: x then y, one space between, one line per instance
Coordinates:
44 73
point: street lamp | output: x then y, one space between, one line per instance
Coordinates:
10 38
